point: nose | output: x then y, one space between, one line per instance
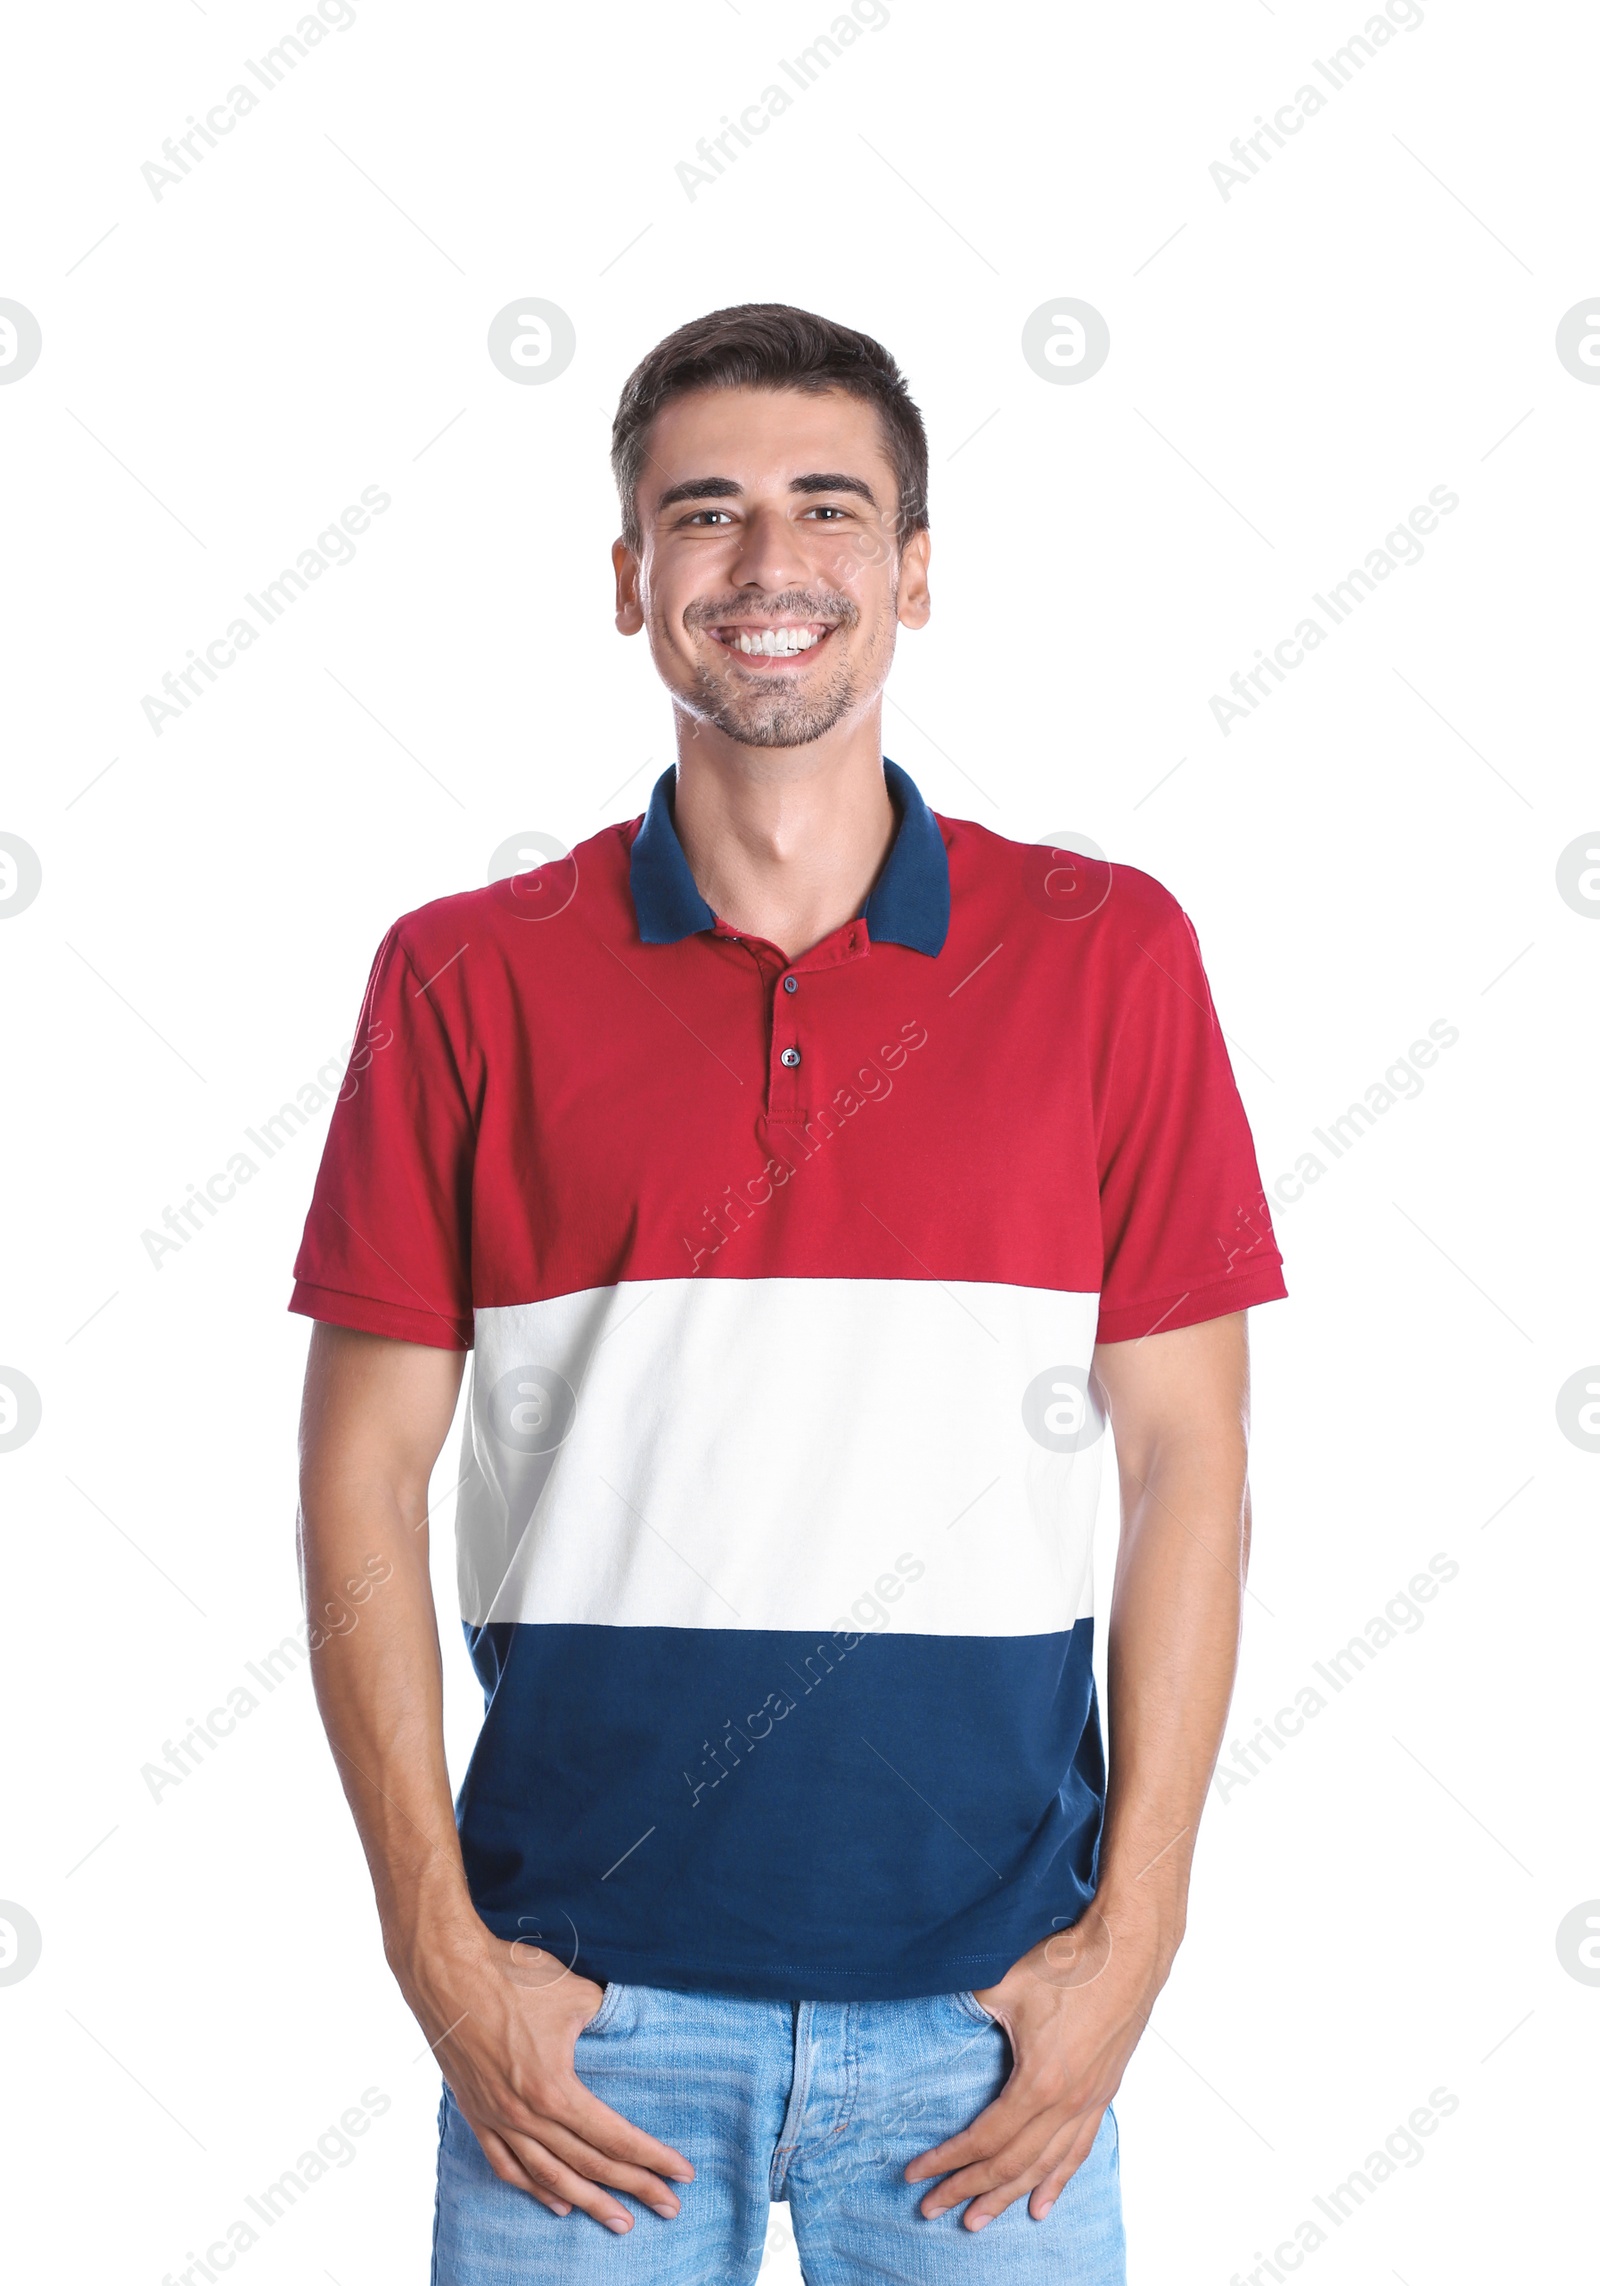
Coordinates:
771 554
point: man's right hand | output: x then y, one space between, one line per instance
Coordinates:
503 2020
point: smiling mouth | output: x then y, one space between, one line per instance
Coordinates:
771 643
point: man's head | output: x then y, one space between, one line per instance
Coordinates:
773 475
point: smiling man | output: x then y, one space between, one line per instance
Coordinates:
811 1177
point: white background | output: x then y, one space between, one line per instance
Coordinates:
1292 369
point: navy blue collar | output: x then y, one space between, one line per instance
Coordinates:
909 904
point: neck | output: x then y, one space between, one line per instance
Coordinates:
784 842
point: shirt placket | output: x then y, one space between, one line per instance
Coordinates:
793 1042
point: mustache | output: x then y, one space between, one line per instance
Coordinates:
793 603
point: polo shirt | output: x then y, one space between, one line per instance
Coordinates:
782 1280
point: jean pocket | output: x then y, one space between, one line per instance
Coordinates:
609 2002
972 2007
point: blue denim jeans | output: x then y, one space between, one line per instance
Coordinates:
820 2103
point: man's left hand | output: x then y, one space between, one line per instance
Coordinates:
1073 2010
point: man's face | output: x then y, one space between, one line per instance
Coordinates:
768 574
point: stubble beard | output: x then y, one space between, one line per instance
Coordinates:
766 713
777 714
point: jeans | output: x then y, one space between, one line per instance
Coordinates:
820 2103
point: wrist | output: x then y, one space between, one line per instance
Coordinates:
431 1923
1153 1917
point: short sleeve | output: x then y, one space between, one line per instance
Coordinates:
387 1245
1185 1230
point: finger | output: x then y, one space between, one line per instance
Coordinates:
1051 2165
600 2167
510 2170
987 2135
1030 2153
1063 2170
549 2174
618 2138
995 2202
964 2150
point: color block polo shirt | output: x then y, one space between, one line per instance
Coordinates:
782 1281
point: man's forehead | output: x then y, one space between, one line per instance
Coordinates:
762 437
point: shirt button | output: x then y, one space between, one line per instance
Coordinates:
790 1056
791 984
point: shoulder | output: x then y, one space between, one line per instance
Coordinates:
1122 907
584 883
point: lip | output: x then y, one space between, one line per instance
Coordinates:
757 662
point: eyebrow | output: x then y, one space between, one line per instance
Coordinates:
725 488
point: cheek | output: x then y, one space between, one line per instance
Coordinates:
663 607
879 622
868 580
865 564
673 652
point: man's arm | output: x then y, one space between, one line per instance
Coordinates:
502 2018
1074 2007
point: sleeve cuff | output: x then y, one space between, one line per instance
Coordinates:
1133 1321
435 1329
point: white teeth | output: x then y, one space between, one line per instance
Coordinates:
775 642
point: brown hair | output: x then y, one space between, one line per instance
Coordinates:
769 345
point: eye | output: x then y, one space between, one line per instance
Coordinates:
825 510
709 515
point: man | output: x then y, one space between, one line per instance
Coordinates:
810 1176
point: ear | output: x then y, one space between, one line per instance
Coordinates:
630 611
914 603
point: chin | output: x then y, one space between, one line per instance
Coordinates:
765 733
776 718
